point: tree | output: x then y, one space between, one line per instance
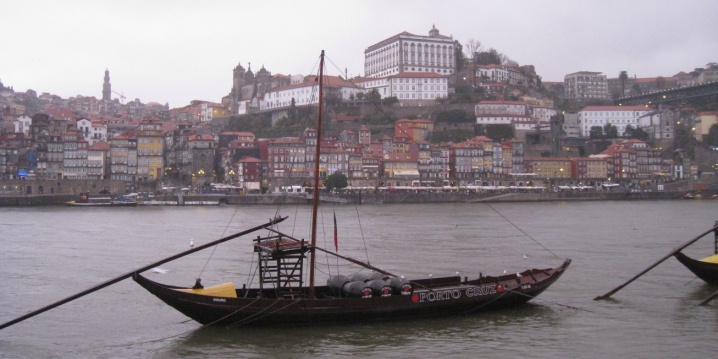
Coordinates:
455 116
336 180
636 88
473 47
640 134
388 101
711 138
596 132
373 96
499 132
623 76
293 111
660 82
610 131
459 55
489 57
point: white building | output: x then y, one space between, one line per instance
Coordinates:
570 125
92 131
543 113
518 114
407 52
22 124
509 74
410 88
501 108
305 93
585 85
205 112
618 116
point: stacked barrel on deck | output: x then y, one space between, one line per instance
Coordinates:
362 285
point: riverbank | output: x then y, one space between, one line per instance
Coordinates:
388 197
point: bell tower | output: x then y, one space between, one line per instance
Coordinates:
106 87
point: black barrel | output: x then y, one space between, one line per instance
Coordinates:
356 289
400 285
336 283
379 288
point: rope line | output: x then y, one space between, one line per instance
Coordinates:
522 231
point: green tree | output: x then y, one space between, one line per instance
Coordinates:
610 131
389 101
373 96
293 111
454 135
499 132
640 134
623 77
488 57
283 122
459 56
636 88
637 133
711 138
596 132
455 116
336 180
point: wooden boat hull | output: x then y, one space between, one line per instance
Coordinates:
430 297
703 270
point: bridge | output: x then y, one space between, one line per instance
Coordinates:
673 95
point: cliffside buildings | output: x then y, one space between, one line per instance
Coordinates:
586 86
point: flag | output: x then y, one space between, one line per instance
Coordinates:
336 244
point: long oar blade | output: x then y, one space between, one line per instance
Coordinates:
129 274
709 299
669 255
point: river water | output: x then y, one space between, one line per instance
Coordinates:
49 253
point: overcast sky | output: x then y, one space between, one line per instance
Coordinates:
178 51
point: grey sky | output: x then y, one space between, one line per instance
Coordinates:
178 51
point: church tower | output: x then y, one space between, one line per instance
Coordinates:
106 87
237 83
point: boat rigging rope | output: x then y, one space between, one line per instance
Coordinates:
549 302
215 247
258 315
231 314
361 231
522 231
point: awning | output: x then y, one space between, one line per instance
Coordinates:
406 173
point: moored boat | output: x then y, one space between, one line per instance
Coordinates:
284 296
705 269
430 297
85 200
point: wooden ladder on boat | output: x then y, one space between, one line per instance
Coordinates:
281 265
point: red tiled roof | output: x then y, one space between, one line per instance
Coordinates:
614 108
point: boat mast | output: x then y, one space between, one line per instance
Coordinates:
315 202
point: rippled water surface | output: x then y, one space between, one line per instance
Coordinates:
49 253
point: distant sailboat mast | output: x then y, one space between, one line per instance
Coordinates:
315 202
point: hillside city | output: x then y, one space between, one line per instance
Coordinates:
428 111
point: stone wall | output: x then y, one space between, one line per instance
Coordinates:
59 187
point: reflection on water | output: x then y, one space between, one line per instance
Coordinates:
50 253
417 338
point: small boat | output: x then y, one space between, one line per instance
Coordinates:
85 200
127 200
706 268
284 296
699 196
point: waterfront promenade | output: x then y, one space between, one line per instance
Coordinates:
386 197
